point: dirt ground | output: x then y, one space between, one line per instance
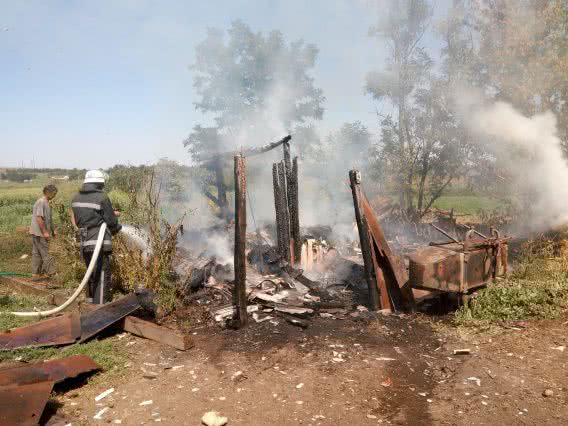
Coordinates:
389 370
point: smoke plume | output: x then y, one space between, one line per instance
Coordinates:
531 152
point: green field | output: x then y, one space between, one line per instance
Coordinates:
17 200
466 204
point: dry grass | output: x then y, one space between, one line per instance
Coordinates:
131 268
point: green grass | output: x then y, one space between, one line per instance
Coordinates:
466 204
17 200
105 352
537 289
14 303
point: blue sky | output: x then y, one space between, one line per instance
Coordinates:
95 83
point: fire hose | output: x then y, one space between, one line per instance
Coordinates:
74 296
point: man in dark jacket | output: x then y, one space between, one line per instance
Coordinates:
91 207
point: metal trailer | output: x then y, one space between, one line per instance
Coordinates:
460 266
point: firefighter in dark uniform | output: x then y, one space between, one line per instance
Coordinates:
91 207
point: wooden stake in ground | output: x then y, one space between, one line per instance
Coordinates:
239 290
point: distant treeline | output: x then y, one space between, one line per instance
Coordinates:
24 174
17 175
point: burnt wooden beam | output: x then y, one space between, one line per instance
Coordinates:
366 248
207 161
239 289
149 330
277 207
284 217
294 211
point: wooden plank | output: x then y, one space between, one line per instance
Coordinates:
151 331
239 289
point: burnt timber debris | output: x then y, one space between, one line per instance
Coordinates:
285 183
302 274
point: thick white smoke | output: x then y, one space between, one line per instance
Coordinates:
531 152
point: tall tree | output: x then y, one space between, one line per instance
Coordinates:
423 145
408 68
523 47
255 86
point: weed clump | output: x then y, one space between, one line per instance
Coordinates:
538 288
148 267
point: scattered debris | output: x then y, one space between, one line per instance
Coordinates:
462 351
100 414
148 402
104 394
213 418
387 382
238 377
475 380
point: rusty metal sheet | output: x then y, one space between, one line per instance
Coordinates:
55 370
61 369
61 330
24 390
23 404
96 321
394 276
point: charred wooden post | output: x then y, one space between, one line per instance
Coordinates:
366 247
277 207
287 161
283 219
293 208
239 290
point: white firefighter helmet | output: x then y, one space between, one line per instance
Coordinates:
94 176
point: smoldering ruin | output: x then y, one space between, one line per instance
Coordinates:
283 271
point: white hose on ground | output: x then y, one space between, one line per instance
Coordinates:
74 296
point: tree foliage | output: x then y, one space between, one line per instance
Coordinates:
256 87
248 80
